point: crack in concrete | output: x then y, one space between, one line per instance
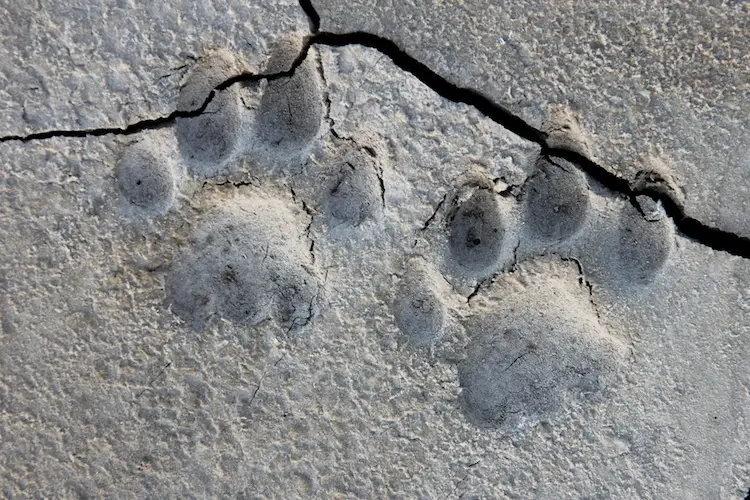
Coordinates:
328 117
583 281
151 382
429 221
310 213
689 227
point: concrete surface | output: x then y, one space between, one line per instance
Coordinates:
340 284
664 81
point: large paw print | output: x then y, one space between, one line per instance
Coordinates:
535 341
535 344
249 263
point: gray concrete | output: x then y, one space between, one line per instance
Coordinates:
664 82
103 63
402 306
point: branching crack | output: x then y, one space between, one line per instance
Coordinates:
311 14
689 227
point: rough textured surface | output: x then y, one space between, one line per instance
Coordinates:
291 109
354 360
102 63
521 368
667 80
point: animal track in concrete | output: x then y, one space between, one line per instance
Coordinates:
291 109
343 182
356 197
243 268
418 306
476 231
556 201
209 139
645 242
535 343
146 178
249 262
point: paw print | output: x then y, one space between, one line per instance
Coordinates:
533 340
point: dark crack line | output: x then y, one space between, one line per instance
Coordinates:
689 227
434 213
520 356
478 288
151 382
310 213
312 15
381 183
583 281
437 83
163 121
328 118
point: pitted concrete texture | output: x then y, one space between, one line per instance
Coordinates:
665 81
349 278
90 64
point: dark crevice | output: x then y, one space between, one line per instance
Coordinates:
311 14
711 237
689 227
514 265
249 182
379 174
434 213
477 289
514 361
437 83
163 121
328 104
310 213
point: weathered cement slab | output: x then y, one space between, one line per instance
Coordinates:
665 82
363 298
96 64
